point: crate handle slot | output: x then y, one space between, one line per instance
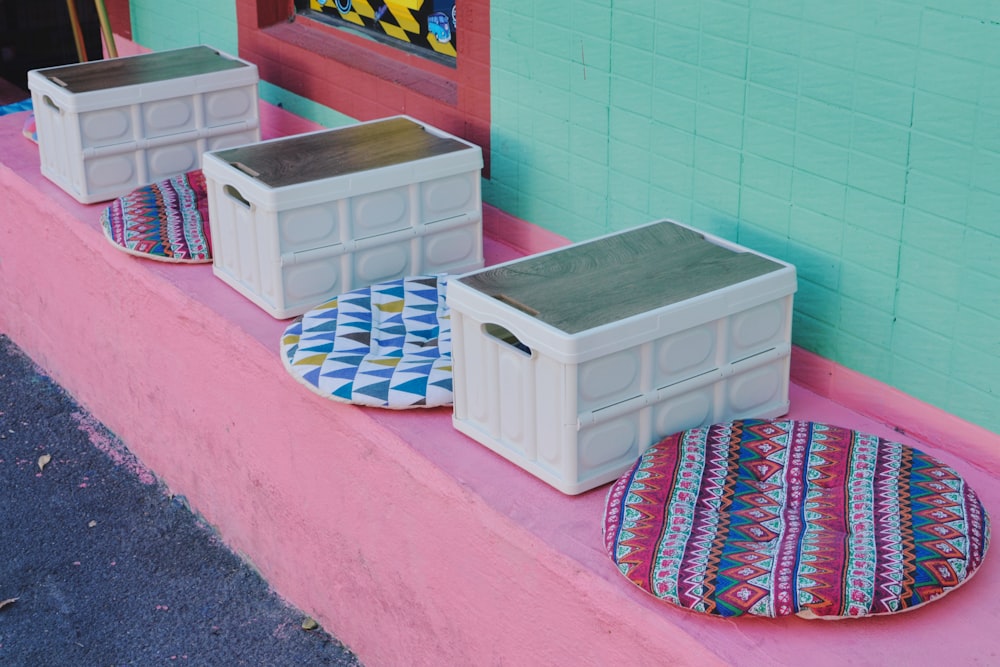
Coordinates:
245 169
48 101
235 194
511 301
505 336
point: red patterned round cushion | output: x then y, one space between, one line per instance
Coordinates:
774 518
165 221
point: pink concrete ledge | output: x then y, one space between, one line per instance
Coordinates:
407 540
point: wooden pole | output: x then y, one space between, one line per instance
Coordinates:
74 20
109 38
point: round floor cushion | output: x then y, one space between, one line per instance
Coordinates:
165 221
775 518
385 346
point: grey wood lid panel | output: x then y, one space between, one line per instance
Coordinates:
145 68
603 281
346 150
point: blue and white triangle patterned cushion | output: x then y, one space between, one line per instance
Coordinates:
385 346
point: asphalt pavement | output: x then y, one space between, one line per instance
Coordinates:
101 567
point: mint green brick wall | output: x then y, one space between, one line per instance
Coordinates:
171 25
859 140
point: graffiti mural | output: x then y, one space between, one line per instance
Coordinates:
425 24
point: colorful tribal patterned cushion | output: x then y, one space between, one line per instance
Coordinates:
166 221
385 346
774 518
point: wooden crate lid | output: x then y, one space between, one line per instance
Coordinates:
346 150
145 68
594 283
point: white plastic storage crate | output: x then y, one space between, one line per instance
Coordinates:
298 220
107 127
573 362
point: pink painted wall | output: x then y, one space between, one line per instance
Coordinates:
405 539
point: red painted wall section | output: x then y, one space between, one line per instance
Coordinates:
366 80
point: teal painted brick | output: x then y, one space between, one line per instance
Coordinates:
588 204
948 76
818 194
686 14
640 34
592 20
979 330
594 55
761 240
588 146
878 177
765 211
821 158
934 234
631 63
768 141
554 74
677 177
717 193
988 129
672 142
590 175
551 131
723 56
636 9
892 20
816 267
926 309
936 195
962 36
980 291
714 222
304 107
913 378
856 352
677 43
989 86
770 106
559 43
825 44
941 158
844 14
825 83
717 159
818 302
816 230
971 366
629 127
634 97
723 92
983 210
623 214
773 69
590 115
725 20
980 251
767 176
883 100
986 170
629 159
792 8
974 406
824 121
917 343
943 116
675 76
888 141
886 60
873 213
872 285
814 335
873 250
590 87
871 325
674 110
981 9
666 203
722 126
775 32
930 272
